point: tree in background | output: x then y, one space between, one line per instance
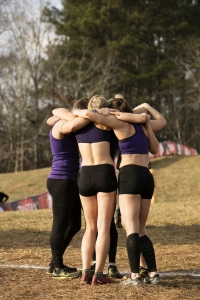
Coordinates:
147 37
22 98
148 50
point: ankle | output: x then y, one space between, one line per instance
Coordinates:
98 274
86 271
151 274
134 275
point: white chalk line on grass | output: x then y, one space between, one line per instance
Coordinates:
162 274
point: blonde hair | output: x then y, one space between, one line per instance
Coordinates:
97 102
119 96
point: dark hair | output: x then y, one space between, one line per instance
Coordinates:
120 104
81 103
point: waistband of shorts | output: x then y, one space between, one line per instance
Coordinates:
137 167
97 168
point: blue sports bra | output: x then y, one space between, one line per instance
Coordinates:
91 134
135 144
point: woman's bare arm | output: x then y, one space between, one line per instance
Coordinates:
65 127
73 125
52 120
110 121
159 121
153 142
63 113
129 117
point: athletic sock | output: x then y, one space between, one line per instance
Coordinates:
148 253
98 274
86 271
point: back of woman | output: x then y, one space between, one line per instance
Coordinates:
94 145
97 188
94 139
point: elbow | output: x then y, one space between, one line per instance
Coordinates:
154 151
154 148
164 123
47 122
54 112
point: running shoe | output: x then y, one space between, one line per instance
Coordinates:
92 268
133 282
113 272
96 280
69 270
86 279
143 272
76 274
59 273
50 269
154 280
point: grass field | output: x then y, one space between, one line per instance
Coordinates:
177 179
173 225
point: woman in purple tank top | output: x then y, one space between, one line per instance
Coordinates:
62 185
97 187
135 181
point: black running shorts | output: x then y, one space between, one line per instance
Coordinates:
136 180
99 178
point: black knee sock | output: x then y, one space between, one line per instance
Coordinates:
148 253
134 250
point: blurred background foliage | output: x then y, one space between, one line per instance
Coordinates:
149 51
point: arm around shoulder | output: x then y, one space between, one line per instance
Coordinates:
63 113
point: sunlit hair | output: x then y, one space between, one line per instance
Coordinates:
81 103
120 104
97 102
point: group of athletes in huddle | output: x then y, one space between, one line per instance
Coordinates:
95 130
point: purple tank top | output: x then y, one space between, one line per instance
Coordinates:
135 144
91 134
65 155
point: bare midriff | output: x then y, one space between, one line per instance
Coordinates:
134 159
95 153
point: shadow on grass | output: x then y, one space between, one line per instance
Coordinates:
166 161
30 238
177 282
169 234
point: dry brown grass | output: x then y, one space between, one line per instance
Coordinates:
173 226
177 179
21 185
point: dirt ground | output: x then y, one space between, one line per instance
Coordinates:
24 240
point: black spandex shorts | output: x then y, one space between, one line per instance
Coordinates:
99 178
134 179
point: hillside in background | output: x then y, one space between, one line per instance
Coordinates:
177 179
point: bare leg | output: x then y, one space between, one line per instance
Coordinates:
144 212
130 210
106 206
90 209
